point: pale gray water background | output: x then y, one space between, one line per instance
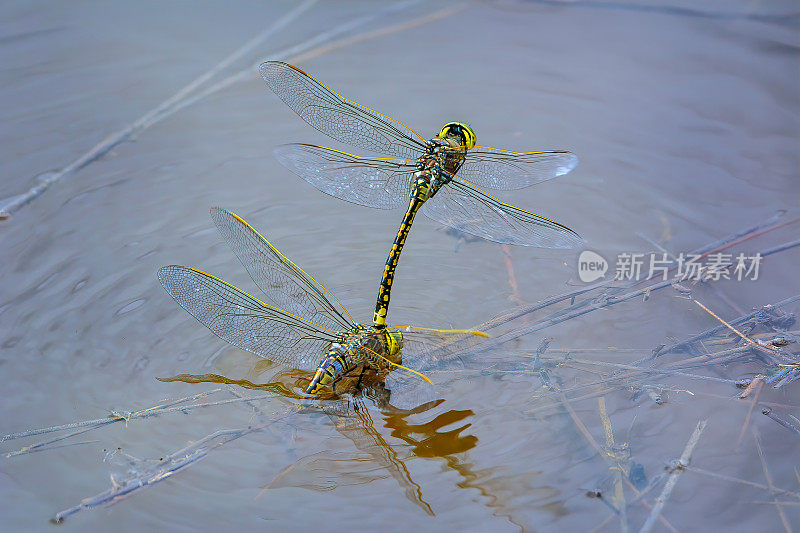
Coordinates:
685 120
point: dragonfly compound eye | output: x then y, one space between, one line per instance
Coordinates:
394 343
462 131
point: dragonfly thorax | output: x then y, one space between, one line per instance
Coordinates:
361 353
347 336
446 153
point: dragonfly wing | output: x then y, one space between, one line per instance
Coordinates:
244 321
285 284
435 353
428 348
461 205
373 182
499 169
341 119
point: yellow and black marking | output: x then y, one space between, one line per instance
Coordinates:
419 194
331 370
446 152
362 352
462 131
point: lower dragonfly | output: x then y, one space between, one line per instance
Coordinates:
443 173
301 326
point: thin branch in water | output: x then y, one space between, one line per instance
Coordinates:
753 402
785 423
49 444
731 479
590 439
619 494
145 414
645 370
146 120
685 459
768 477
748 340
758 314
735 399
57 446
111 419
166 467
512 279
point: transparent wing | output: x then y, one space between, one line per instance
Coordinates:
369 181
285 284
345 121
463 206
244 321
426 348
503 170
435 353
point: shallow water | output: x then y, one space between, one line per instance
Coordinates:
685 120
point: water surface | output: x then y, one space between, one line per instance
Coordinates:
685 120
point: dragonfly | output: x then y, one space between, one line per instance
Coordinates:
444 176
304 325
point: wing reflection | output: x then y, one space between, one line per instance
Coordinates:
444 436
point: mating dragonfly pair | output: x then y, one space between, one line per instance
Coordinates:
302 326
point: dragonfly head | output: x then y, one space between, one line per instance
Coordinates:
460 131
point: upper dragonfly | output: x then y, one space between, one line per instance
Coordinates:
429 174
457 168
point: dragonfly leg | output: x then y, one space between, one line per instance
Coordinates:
360 376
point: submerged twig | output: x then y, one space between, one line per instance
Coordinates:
753 402
760 314
717 475
165 468
591 440
147 120
785 423
104 421
512 279
609 296
748 340
190 95
685 459
768 477
114 418
619 494
646 370
735 399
